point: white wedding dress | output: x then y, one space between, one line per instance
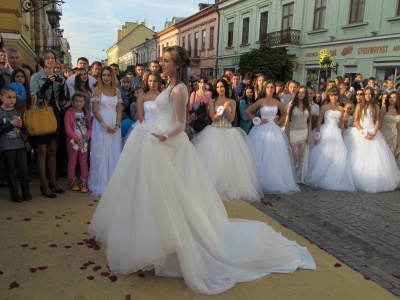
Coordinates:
328 167
161 210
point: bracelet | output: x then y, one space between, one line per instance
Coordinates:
363 133
166 137
317 136
118 125
104 125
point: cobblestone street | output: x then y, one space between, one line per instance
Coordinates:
360 229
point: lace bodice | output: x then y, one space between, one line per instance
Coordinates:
389 130
331 118
367 122
268 113
150 111
166 112
299 119
222 120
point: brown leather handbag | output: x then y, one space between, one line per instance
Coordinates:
40 120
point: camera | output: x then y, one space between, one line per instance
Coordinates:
57 78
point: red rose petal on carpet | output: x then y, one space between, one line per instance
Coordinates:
33 248
58 225
41 268
396 276
32 270
40 212
67 246
141 275
367 278
53 245
9 218
337 265
90 277
128 297
66 233
105 274
278 197
1 273
14 285
24 245
27 219
83 268
113 278
80 243
96 268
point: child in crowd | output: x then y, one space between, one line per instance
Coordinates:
137 92
126 84
248 99
12 144
348 114
78 127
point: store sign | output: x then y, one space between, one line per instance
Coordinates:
373 50
235 61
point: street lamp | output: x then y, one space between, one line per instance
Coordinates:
35 5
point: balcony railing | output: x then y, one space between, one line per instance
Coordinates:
287 36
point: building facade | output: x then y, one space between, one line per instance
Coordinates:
146 52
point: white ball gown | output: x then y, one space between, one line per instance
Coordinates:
161 210
328 167
150 115
275 169
105 148
372 164
229 160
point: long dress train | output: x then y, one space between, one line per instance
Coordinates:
160 210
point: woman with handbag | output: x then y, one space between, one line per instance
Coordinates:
198 105
49 89
12 144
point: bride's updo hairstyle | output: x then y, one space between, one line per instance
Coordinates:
181 58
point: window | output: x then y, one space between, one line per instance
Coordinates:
398 8
230 34
190 45
212 37
203 40
245 32
287 16
263 26
196 42
183 42
357 11
319 14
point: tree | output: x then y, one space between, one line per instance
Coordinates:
274 63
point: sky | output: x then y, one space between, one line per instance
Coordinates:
91 25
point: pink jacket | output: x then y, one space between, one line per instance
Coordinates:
70 123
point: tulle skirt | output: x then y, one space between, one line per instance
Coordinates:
161 210
228 157
328 167
372 163
275 170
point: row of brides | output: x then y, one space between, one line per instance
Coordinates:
271 160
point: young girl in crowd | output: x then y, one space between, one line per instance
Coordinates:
106 134
258 85
390 118
298 130
19 75
222 149
78 128
126 85
198 103
12 145
272 149
137 92
372 163
81 85
348 114
318 98
248 99
314 107
328 167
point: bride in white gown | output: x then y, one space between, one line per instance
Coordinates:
160 209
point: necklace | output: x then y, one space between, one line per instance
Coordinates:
392 110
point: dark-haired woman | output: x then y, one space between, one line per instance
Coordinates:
372 163
20 76
248 99
273 152
47 86
223 150
161 211
298 130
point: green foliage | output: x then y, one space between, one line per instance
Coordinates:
274 63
